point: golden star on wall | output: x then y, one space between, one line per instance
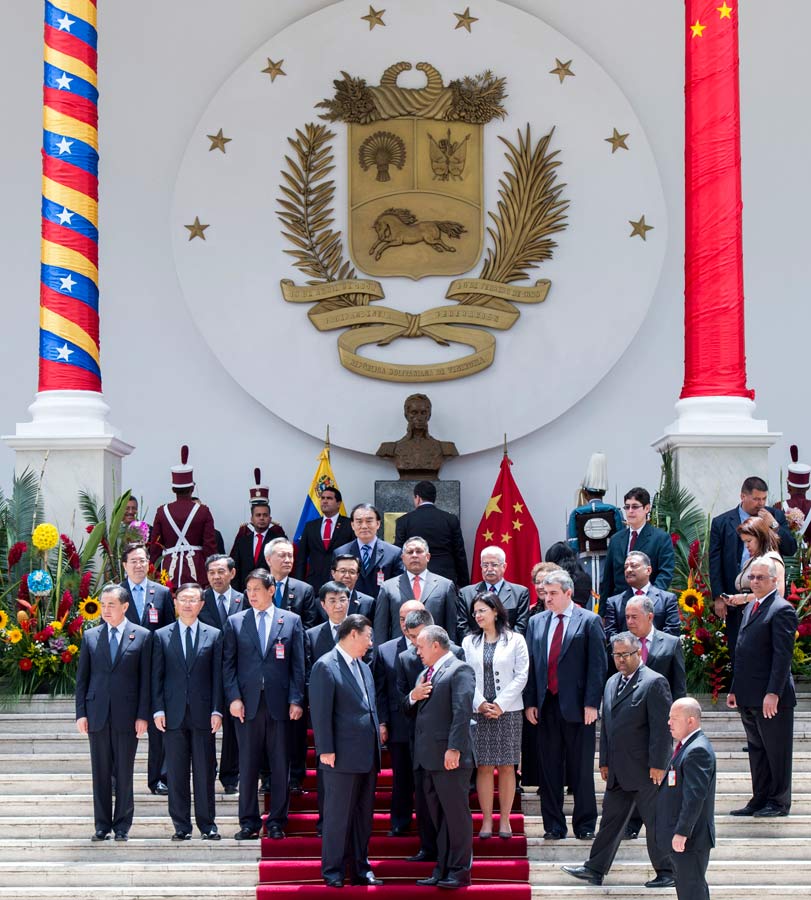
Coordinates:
196 229
562 70
274 68
488 535
492 505
506 537
698 29
617 141
218 141
518 507
724 11
375 17
465 20
640 228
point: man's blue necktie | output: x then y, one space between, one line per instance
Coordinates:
113 644
138 597
263 637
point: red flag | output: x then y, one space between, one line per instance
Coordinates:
507 523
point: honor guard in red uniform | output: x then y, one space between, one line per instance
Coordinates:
799 480
248 551
183 534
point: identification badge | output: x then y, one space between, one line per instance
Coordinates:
380 578
671 778
280 650
153 616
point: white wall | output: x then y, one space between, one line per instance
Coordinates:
159 65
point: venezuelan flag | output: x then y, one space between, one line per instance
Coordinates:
323 478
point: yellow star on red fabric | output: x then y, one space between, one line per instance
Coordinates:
517 524
488 535
506 537
518 507
698 29
725 12
492 505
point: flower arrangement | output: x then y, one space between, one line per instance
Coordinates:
798 576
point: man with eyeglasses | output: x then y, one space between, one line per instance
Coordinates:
514 597
640 535
346 571
379 560
763 690
637 573
635 748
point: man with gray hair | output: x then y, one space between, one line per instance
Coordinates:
514 597
638 571
566 676
634 752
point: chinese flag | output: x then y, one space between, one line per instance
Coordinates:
507 523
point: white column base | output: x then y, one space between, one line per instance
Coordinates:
70 436
716 444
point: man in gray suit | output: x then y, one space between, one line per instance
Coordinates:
437 594
634 752
441 704
514 597
346 728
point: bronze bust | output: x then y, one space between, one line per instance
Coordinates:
417 455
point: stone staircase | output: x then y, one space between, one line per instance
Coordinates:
754 858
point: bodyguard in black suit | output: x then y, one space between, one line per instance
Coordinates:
726 549
250 543
441 705
379 560
440 529
149 604
514 597
347 742
638 535
763 690
637 576
187 704
320 539
566 677
263 672
112 708
685 803
634 752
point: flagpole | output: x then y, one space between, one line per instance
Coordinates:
326 441
505 443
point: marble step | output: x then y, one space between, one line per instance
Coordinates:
754 890
726 849
743 828
68 850
102 868
724 802
127 892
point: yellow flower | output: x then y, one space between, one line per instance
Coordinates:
73 649
90 608
15 635
164 577
45 537
56 625
691 594
3 618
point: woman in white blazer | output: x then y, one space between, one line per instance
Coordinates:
500 661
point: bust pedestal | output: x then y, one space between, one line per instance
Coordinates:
395 498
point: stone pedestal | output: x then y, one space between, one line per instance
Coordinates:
716 444
395 498
80 451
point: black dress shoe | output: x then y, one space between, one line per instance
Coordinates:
211 835
585 835
319 829
748 810
100 836
430 881
368 880
230 789
246 834
264 788
421 856
334 882
160 788
121 836
553 836
181 836
584 873
398 832
769 812
295 787
275 832
630 834
661 881
452 883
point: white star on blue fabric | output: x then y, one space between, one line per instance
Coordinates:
67 283
64 217
64 82
64 146
64 352
65 23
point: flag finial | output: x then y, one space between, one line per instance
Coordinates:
505 443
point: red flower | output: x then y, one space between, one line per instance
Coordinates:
674 538
692 558
67 657
76 625
804 628
703 635
25 664
15 554
698 649
23 594
70 551
90 528
794 595
64 605
84 585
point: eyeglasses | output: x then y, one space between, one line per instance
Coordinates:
492 565
345 571
624 656
761 577
630 506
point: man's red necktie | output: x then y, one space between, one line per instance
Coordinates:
644 641
634 536
677 749
257 553
639 593
755 607
416 587
554 656
327 533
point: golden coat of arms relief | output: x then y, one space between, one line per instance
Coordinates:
416 209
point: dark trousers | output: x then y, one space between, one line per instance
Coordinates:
348 811
229 752
617 806
112 755
156 763
447 797
402 787
770 749
425 824
262 733
565 753
298 748
530 773
733 626
190 750
690 872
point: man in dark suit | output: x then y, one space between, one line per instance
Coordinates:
263 672
638 534
437 594
514 597
441 704
220 601
566 677
727 549
112 708
379 560
320 539
661 652
442 532
685 803
638 571
347 742
149 604
248 550
634 752
346 571
763 690
187 704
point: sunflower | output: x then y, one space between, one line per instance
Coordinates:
3 618
90 609
45 537
73 649
14 635
691 600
